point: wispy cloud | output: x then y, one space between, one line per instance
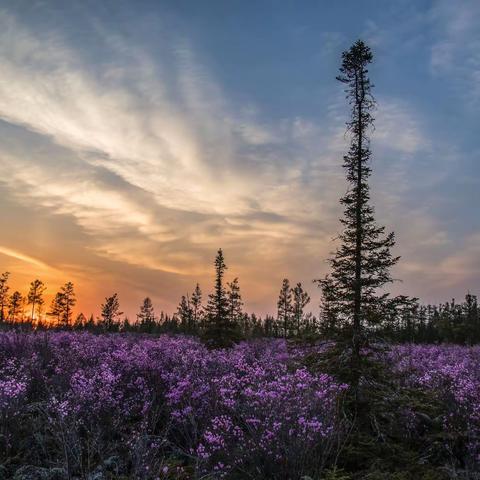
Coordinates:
457 50
157 165
24 258
159 174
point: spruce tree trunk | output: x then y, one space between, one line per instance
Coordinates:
358 243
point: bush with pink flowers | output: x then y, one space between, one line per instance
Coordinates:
163 407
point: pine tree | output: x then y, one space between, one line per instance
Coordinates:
185 314
56 307
146 317
196 303
284 304
470 309
300 299
68 301
4 288
90 323
35 296
126 326
110 314
361 265
235 303
220 331
62 305
14 305
330 319
80 322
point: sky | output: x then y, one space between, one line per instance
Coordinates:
136 138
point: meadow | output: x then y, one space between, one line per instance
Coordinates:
85 406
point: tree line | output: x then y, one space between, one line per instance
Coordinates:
223 315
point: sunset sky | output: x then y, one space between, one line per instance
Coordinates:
136 138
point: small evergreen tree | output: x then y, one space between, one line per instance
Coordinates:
219 331
146 316
127 326
62 305
196 304
284 304
15 303
110 314
56 307
80 322
300 299
4 288
235 303
90 323
35 296
185 314
68 301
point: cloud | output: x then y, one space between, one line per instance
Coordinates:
24 258
398 128
464 264
457 50
442 268
155 184
158 166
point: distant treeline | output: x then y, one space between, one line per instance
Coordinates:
400 321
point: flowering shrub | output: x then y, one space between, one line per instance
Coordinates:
452 373
13 385
120 406
167 406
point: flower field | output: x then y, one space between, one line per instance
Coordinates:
77 405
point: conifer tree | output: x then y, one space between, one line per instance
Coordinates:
235 303
300 299
4 288
185 314
330 320
35 296
220 331
146 316
14 305
196 303
56 307
110 314
80 322
470 312
284 310
361 264
90 323
62 304
68 301
126 325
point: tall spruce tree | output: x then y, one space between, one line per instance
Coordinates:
361 264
